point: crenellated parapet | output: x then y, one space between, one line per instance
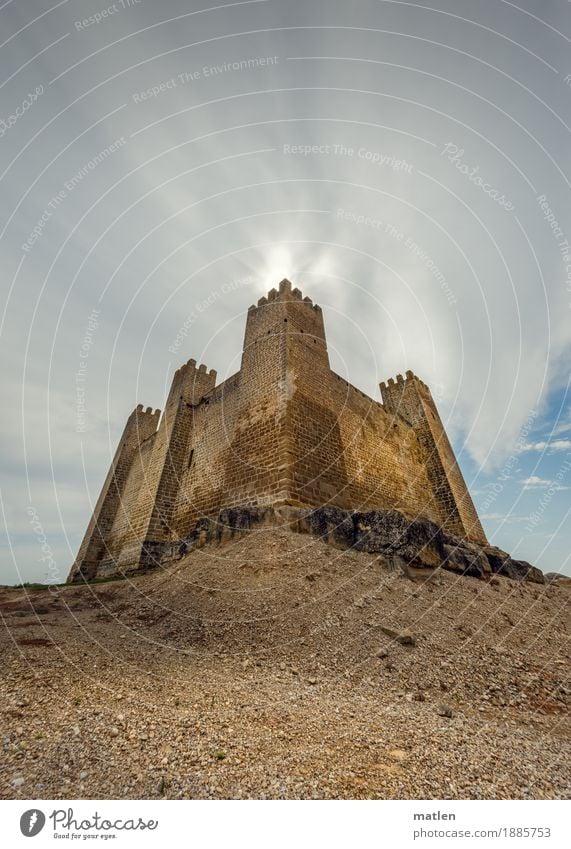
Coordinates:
191 383
285 293
143 422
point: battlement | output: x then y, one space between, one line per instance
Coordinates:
191 383
190 367
141 424
410 377
139 412
284 293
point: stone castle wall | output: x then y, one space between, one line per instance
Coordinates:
284 430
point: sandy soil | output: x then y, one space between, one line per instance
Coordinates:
260 669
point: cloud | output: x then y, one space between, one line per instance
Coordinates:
551 446
535 482
505 518
563 425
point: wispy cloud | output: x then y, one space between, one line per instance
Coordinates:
548 445
506 518
563 425
535 482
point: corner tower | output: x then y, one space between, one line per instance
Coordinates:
264 449
286 314
150 520
98 543
412 400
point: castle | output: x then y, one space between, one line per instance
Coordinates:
284 430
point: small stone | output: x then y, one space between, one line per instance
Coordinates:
18 781
381 653
405 638
444 710
114 731
312 680
82 776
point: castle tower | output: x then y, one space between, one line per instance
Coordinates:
150 521
285 358
96 545
284 314
412 400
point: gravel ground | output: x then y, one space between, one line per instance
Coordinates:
276 666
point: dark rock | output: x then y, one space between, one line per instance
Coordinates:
333 525
418 541
526 572
465 559
557 579
496 557
519 570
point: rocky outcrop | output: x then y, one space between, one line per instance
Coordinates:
558 580
416 540
465 558
415 544
519 570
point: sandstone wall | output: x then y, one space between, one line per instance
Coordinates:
351 452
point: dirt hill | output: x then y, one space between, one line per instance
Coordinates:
277 666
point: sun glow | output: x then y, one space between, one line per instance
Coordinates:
277 264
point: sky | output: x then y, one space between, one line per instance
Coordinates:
163 165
